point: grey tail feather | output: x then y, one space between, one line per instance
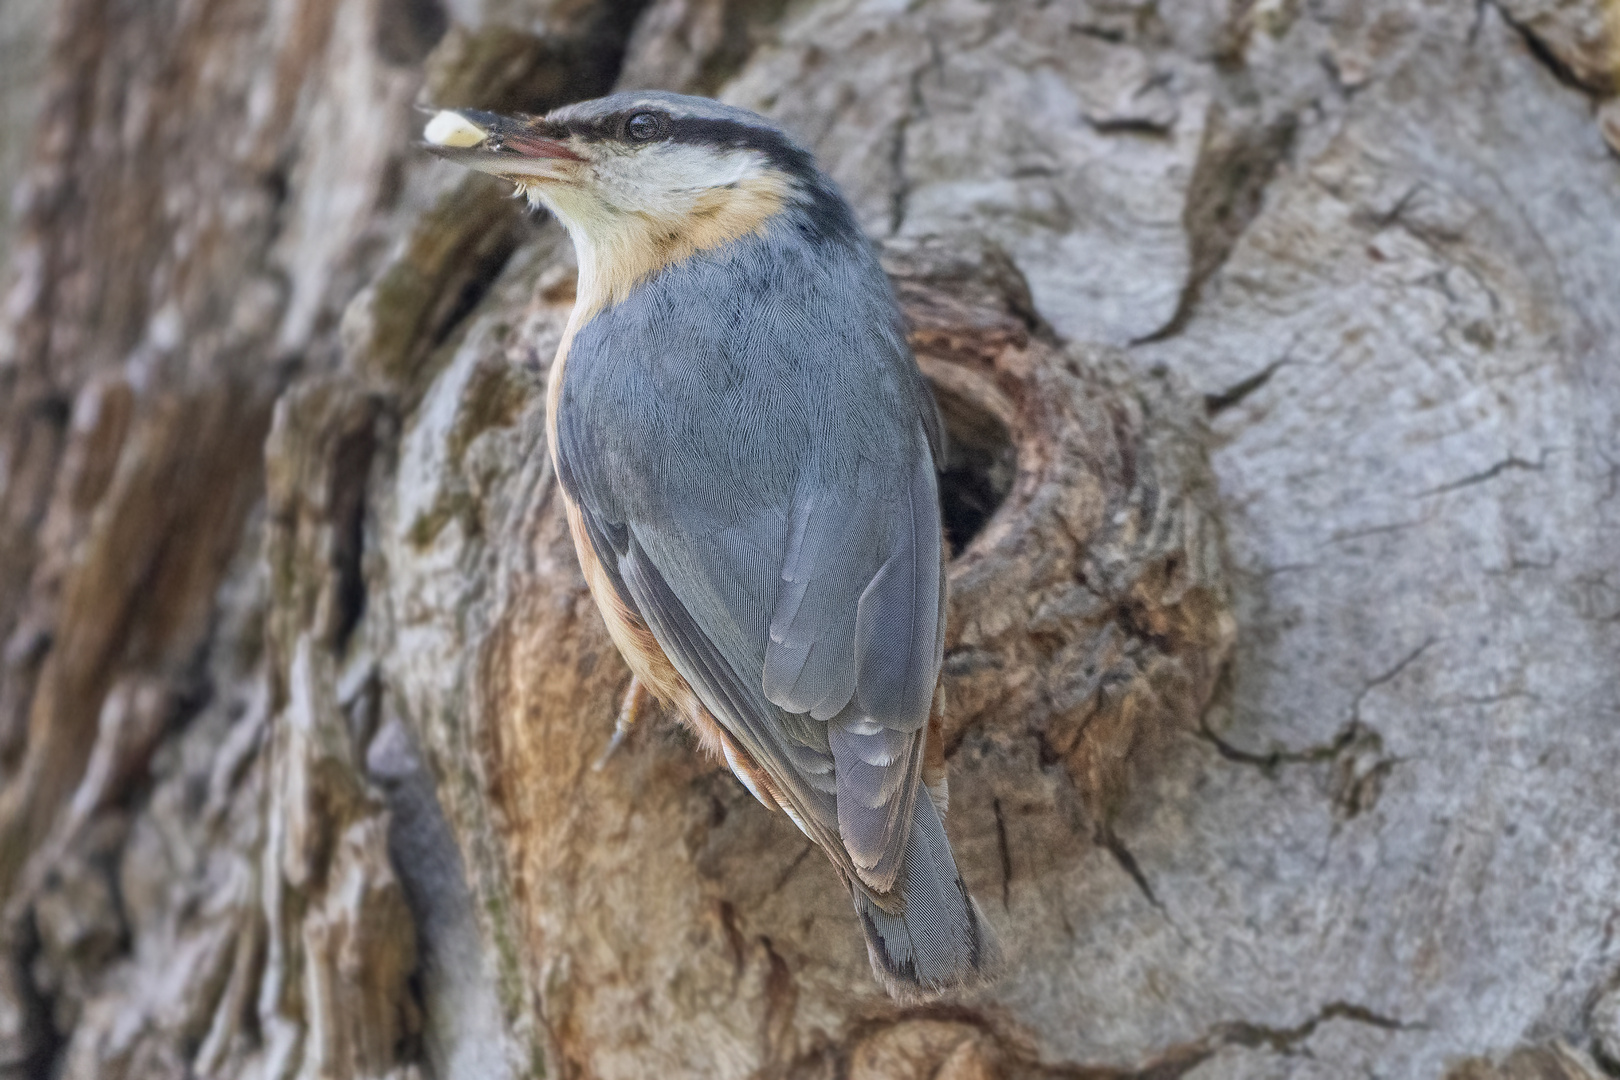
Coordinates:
940 941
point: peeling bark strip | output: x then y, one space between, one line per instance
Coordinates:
300 686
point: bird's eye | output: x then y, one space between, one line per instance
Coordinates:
645 126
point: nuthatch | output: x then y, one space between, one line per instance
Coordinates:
747 452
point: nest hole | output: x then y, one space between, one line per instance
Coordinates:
981 464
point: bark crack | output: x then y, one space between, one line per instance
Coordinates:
1346 535
1217 403
792 868
1505 465
1356 751
1178 1059
1110 842
900 192
1346 736
1286 1040
1386 677
1235 166
1006 855
781 994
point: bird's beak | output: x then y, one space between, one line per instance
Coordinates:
515 148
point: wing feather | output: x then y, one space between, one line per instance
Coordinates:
897 624
738 706
877 771
851 779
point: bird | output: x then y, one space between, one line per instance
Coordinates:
748 455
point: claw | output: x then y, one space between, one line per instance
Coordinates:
635 703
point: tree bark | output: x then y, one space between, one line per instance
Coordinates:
1276 343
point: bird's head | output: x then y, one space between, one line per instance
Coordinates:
642 180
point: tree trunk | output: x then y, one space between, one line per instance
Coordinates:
1276 343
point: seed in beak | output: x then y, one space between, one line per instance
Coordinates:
450 128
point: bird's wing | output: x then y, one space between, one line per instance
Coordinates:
834 710
855 640
795 756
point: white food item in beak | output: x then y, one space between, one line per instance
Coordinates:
450 128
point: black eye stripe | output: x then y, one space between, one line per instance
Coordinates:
732 135
616 127
697 131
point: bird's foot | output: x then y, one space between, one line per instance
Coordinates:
636 700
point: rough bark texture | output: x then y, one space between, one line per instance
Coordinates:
1277 345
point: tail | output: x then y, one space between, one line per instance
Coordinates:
939 941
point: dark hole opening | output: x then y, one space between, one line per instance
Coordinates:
981 464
